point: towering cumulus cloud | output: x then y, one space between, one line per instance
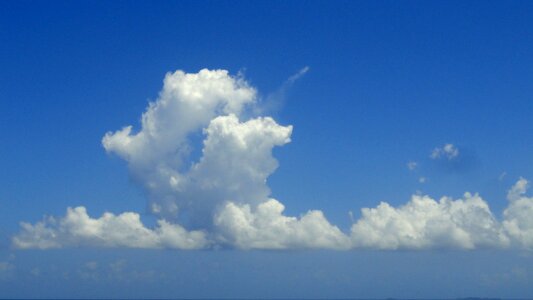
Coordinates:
157 155
221 198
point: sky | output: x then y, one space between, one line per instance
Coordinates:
302 149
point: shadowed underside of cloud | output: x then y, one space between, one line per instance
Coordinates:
222 199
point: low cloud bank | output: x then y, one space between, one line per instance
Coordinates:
78 229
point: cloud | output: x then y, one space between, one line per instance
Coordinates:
518 216
236 162
221 198
275 101
298 75
158 154
448 151
426 223
412 165
464 223
422 223
267 228
78 229
449 159
502 176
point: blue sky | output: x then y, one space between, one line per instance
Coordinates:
445 86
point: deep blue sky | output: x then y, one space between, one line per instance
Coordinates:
388 82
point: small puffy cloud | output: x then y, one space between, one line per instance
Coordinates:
267 228
78 229
412 165
426 223
448 151
422 179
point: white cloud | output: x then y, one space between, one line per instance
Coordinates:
275 101
422 179
78 229
267 228
222 198
412 165
422 223
158 154
448 151
518 216
236 162
298 75
426 223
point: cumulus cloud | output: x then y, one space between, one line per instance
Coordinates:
221 198
236 162
448 151
518 216
426 223
78 229
466 223
267 228
157 155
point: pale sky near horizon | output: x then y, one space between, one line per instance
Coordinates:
266 149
